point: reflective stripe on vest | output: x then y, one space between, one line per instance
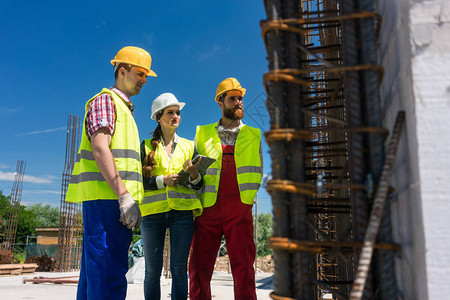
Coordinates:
171 197
247 159
87 183
248 169
152 198
95 176
117 153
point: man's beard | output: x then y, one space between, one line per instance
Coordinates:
234 114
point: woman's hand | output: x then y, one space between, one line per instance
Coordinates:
192 169
172 179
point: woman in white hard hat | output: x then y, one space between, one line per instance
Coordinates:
169 198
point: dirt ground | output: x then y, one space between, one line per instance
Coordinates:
263 264
6 257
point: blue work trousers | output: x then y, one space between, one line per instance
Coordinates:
104 260
153 230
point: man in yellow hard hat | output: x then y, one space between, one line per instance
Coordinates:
229 189
107 178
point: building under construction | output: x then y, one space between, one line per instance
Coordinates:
348 84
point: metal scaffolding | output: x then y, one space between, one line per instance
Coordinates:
13 209
70 217
327 147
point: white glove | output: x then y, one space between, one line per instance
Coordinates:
130 214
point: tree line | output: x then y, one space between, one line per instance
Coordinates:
29 217
39 215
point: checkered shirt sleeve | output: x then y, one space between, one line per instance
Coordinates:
101 113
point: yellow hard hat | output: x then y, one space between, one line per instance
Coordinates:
134 56
229 84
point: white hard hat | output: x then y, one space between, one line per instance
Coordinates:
163 101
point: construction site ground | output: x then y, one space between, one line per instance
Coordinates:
13 288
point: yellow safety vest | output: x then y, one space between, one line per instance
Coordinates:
247 159
87 183
176 197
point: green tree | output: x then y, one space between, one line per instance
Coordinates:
45 215
28 218
26 225
4 204
264 233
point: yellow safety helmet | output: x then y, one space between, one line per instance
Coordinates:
229 84
134 56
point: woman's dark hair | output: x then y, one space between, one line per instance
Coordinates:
149 160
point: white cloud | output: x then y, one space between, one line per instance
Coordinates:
41 131
149 37
42 192
266 177
10 176
3 166
7 176
8 110
208 55
187 47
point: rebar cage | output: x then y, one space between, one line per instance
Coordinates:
327 147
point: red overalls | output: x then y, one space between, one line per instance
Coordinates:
233 219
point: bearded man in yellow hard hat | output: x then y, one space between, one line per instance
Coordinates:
107 178
229 189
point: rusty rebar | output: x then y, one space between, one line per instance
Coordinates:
377 210
70 217
324 143
13 209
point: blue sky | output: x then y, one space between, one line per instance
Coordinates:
55 55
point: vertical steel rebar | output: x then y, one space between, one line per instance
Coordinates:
377 212
281 220
70 220
12 217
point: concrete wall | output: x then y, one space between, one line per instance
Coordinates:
415 52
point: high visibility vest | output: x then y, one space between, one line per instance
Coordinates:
87 183
178 197
247 159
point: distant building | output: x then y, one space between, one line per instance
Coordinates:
47 235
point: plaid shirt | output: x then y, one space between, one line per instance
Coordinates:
102 113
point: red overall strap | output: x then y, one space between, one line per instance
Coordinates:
228 185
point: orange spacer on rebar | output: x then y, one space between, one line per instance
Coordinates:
288 74
290 186
283 24
283 75
322 246
276 297
289 134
